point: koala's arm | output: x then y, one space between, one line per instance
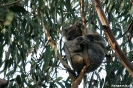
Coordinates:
96 38
76 44
71 46
73 50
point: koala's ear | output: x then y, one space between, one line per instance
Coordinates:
78 24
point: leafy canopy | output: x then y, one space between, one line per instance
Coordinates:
28 61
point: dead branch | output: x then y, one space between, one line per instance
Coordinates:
130 30
107 30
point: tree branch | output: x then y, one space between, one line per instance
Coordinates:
84 30
52 44
78 80
10 3
131 1
83 16
3 83
125 62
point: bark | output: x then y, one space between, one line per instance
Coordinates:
3 83
125 62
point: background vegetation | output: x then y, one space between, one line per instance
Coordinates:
24 45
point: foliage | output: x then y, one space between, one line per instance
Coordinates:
24 46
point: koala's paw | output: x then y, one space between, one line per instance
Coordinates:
90 37
81 40
85 41
78 39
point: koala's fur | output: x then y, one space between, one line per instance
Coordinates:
74 47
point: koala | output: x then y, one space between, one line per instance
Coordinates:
74 47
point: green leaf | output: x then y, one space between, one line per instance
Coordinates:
17 9
18 79
131 10
58 79
40 5
61 85
110 8
47 58
121 6
21 29
9 18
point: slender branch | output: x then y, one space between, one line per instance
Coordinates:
10 3
86 58
83 16
125 62
130 30
131 1
114 54
52 44
78 80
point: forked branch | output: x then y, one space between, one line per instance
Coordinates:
125 62
78 80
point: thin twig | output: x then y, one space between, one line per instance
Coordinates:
114 54
10 3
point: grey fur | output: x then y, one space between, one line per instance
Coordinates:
74 49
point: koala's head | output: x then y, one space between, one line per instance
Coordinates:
73 31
